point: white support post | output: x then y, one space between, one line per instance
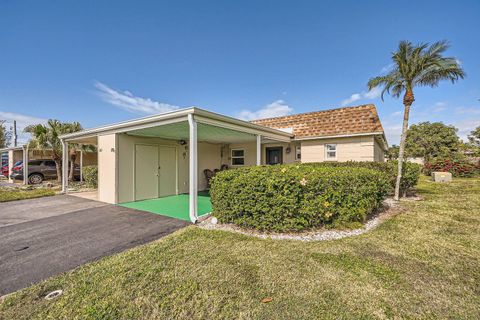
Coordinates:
81 164
25 165
64 166
11 162
193 178
259 150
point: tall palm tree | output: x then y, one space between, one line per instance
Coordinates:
46 137
415 65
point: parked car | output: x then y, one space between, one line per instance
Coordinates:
4 171
39 170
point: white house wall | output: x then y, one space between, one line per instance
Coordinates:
348 149
251 150
107 168
209 157
379 152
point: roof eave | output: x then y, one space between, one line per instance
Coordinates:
123 126
375 133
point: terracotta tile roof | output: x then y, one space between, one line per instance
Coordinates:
342 121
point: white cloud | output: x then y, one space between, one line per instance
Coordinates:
277 108
393 132
22 122
397 113
387 68
465 127
126 100
372 94
439 106
467 111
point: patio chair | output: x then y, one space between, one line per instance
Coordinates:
209 174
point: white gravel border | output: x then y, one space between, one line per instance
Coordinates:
390 207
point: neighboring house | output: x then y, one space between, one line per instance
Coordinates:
12 155
166 154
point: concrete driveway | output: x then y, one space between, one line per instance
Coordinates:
46 236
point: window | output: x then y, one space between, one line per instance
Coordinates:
298 153
49 163
238 157
34 162
330 151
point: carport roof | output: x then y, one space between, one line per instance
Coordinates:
200 115
11 148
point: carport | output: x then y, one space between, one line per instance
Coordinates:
165 156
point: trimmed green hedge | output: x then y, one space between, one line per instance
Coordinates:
296 197
90 175
410 172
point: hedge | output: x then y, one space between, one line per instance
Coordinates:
296 197
457 167
90 175
410 171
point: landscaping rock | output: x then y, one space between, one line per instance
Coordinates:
389 209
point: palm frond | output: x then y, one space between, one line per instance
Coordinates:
418 65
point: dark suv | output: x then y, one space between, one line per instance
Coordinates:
39 170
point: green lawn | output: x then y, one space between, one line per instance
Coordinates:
11 194
422 263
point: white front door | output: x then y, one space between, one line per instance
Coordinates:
146 172
168 171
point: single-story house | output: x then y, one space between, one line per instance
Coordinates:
166 154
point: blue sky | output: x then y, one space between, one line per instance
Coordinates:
100 62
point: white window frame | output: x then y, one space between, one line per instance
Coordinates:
237 157
327 158
298 152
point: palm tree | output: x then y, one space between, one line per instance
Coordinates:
72 152
46 137
420 65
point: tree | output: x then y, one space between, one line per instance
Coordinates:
72 151
5 135
474 137
472 147
46 137
414 66
392 153
431 140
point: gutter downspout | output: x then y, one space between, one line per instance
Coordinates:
193 172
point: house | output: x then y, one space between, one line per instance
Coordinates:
165 154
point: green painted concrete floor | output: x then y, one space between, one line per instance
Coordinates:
172 206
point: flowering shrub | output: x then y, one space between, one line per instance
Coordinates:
296 197
457 167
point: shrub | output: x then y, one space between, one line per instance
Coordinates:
90 175
410 171
296 197
457 167
410 175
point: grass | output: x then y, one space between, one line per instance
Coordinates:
422 263
12 194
